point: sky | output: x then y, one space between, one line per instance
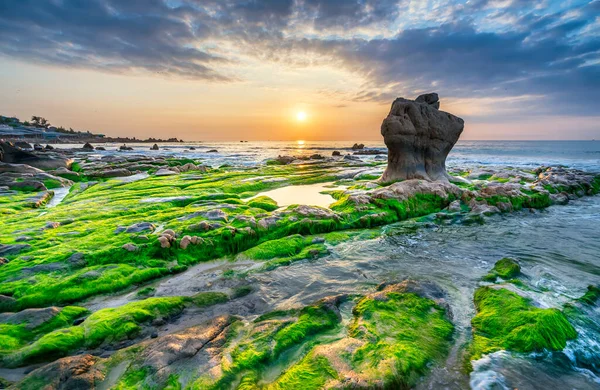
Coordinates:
205 70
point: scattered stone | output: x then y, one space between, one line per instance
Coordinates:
285 160
216 215
185 241
77 260
23 145
140 227
130 247
454 207
51 225
13 249
165 172
125 147
358 146
316 156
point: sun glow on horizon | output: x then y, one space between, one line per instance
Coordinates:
301 116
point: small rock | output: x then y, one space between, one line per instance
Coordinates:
336 153
454 207
213 151
100 148
154 335
130 247
51 225
164 172
88 146
185 241
318 240
358 146
77 260
12 249
170 232
154 147
38 147
164 242
49 147
140 227
3 260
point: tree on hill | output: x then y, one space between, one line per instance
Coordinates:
39 121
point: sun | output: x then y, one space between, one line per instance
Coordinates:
301 116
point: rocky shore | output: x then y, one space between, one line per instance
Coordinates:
129 223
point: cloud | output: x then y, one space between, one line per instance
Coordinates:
487 49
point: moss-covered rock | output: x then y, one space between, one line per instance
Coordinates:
505 320
505 268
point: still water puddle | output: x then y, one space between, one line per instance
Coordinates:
309 194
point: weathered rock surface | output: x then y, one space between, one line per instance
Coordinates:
73 372
419 137
9 153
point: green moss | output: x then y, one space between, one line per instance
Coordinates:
505 268
205 299
508 321
263 202
312 320
283 247
106 326
241 291
52 183
311 373
15 336
146 292
591 296
132 380
403 334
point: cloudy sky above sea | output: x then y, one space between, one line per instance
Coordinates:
245 69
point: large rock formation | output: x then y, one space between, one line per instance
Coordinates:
10 153
419 137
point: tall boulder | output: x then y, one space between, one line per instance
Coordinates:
419 137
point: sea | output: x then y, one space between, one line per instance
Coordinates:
558 249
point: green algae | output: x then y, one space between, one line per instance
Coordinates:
505 268
402 333
205 299
591 296
104 326
14 336
263 202
311 373
505 320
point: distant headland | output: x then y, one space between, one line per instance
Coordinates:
39 128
